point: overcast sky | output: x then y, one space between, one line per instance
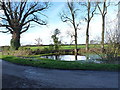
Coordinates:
54 21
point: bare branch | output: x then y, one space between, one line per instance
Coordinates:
5 12
27 27
19 14
2 25
4 31
3 18
41 22
22 8
65 18
93 12
83 4
32 12
100 10
6 26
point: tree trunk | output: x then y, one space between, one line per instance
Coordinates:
87 30
15 41
76 44
103 30
87 37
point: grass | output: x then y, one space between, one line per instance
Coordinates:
65 46
56 64
0 54
37 47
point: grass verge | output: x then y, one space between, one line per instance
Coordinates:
55 64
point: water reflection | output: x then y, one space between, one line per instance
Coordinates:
88 58
83 59
71 57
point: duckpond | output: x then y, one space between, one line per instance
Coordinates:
81 58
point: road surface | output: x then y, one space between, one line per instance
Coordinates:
17 76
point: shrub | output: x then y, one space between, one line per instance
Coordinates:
17 52
51 47
5 48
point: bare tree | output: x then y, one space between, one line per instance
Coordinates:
112 39
103 6
91 8
18 16
38 41
118 15
71 35
71 18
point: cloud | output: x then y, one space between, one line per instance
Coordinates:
29 37
5 39
1 13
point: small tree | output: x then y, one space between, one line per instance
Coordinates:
56 40
71 35
38 41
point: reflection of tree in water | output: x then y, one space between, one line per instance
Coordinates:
51 57
57 57
54 57
87 57
76 57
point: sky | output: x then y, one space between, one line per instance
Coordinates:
54 21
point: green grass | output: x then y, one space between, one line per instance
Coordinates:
66 47
0 54
55 64
38 47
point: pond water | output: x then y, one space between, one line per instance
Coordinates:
87 58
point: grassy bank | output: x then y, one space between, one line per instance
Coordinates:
55 64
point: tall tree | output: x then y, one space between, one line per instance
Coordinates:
17 17
71 18
103 6
118 15
91 8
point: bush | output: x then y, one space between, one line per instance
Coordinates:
112 51
17 52
51 47
5 48
21 48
